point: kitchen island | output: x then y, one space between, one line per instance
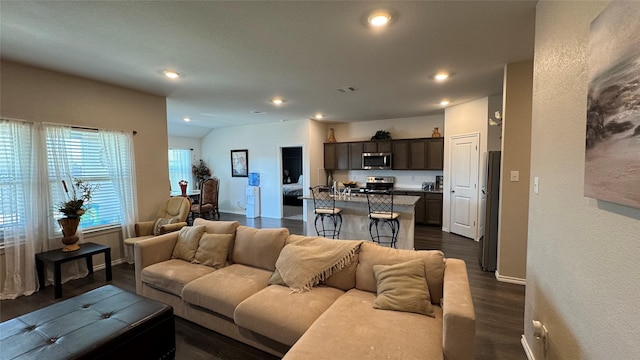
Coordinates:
355 220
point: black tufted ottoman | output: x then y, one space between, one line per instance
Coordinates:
106 323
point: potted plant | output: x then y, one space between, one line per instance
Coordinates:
201 171
381 135
73 208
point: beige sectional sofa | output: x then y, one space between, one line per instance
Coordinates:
246 298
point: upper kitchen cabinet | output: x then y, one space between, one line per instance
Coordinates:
355 155
401 155
435 154
377 147
336 156
426 154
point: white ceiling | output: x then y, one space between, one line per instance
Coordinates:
235 55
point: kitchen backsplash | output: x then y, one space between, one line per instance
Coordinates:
405 179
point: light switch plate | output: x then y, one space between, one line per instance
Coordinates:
536 187
515 175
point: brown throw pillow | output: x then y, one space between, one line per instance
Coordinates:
187 244
157 227
403 287
213 250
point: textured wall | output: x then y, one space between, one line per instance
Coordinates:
583 273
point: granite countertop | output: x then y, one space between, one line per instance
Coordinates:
436 191
399 200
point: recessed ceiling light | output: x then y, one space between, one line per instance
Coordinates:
186 118
277 101
171 74
379 19
444 102
441 76
319 116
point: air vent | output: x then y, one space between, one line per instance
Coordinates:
347 89
258 112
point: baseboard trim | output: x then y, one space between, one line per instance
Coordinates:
527 349
113 263
509 279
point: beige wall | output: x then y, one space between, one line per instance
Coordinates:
40 95
516 151
583 272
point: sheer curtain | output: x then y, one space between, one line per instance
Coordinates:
58 158
180 168
119 161
19 218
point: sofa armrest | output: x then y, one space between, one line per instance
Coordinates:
151 251
167 228
144 228
459 318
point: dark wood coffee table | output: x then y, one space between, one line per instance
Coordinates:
58 257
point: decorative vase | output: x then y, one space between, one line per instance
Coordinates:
436 133
69 228
332 137
183 188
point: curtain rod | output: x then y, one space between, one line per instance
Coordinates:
71 126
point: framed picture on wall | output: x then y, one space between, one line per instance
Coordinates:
240 163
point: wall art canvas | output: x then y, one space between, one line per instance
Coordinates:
239 163
612 155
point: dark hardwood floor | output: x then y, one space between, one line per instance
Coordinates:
499 306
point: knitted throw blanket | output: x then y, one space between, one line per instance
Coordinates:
304 263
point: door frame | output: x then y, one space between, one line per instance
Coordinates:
446 225
305 182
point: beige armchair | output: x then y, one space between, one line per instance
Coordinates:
171 216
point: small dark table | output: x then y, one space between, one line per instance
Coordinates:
58 257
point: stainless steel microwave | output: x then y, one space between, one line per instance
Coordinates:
376 161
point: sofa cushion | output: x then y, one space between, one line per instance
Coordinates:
281 315
403 287
258 247
344 279
213 250
222 290
187 244
172 275
217 227
373 254
358 331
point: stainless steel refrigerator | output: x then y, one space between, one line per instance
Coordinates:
489 242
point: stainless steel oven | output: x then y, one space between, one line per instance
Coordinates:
376 161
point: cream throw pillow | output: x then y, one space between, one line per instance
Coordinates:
213 250
158 225
403 287
187 244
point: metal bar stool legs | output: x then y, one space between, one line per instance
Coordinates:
384 239
333 231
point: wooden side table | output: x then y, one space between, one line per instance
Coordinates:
58 257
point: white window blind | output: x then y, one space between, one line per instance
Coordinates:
85 160
180 168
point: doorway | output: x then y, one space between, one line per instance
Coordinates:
464 185
292 182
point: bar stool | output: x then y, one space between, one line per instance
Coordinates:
380 214
324 206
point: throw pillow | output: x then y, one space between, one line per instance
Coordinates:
157 227
403 287
213 250
187 244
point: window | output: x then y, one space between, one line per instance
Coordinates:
78 153
179 167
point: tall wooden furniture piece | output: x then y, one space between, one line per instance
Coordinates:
207 206
380 214
324 205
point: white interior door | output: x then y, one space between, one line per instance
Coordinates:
464 185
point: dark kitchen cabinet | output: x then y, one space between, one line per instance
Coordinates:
355 155
400 155
435 154
426 154
428 209
377 147
433 209
336 156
